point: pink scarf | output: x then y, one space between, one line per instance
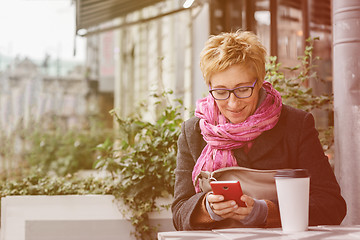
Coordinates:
222 136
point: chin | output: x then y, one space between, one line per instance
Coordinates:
236 120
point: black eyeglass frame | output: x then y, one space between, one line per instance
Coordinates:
233 91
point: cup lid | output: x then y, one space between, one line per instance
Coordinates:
292 173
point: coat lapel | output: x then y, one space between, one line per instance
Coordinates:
268 139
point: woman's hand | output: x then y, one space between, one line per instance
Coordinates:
229 209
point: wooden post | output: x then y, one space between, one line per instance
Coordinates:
273 28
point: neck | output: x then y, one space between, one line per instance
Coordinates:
262 96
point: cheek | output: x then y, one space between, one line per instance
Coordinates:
250 107
221 104
253 100
250 102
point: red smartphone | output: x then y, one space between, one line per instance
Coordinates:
231 190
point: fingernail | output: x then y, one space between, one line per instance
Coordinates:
221 198
233 203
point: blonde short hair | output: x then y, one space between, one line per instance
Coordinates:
227 49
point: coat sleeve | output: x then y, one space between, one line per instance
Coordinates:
326 205
186 201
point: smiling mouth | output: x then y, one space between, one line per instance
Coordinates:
237 111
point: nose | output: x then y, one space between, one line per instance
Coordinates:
232 101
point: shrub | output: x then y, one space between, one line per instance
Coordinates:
295 92
144 163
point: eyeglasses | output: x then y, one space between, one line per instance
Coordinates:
239 92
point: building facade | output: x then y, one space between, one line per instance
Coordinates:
156 47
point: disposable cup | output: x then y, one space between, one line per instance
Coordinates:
292 186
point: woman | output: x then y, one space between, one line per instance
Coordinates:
242 122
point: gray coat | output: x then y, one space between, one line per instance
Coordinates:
292 143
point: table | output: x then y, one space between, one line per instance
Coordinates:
313 233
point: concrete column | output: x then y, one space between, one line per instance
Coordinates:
346 50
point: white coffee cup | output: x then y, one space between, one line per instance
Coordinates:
292 186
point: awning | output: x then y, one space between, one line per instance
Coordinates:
91 13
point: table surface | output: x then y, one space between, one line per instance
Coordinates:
313 233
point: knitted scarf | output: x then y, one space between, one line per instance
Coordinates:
222 136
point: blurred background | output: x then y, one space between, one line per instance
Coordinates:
73 58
